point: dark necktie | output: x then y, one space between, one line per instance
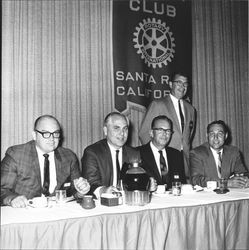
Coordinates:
46 182
219 164
181 115
117 167
163 166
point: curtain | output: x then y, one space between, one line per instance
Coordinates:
220 68
57 59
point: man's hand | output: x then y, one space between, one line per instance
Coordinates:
238 182
108 190
81 185
19 201
153 184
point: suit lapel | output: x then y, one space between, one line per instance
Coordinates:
211 161
151 159
35 161
109 164
172 111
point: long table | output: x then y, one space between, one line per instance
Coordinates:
200 220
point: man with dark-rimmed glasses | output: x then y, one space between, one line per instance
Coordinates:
39 167
181 113
159 160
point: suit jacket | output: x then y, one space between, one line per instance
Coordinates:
203 166
165 107
175 164
20 171
97 164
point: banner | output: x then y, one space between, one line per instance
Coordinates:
151 39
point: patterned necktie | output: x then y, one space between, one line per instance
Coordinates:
219 164
163 166
117 167
181 115
46 182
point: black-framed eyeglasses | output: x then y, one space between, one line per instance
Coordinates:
47 134
162 130
180 83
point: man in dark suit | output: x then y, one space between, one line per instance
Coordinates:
104 162
159 160
39 167
179 111
214 160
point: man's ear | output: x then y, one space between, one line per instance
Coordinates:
105 130
170 84
151 133
34 135
226 135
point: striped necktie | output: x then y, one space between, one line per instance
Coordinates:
181 115
219 164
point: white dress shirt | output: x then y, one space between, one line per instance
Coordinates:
215 154
157 157
52 169
176 106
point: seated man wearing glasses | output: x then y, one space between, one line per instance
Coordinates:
214 160
180 112
159 160
39 167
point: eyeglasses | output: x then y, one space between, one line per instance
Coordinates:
47 135
162 130
180 84
219 134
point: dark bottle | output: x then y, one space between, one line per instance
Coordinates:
136 178
136 185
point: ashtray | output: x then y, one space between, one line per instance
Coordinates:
221 191
109 200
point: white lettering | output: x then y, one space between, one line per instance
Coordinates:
120 75
164 79
119 91
132 6
137 5
144 8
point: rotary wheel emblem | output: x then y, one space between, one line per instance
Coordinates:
154 42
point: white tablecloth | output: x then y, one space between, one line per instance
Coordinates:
189 221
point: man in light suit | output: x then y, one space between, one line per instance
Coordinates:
214 160
102 165
160 134
23 173
179 111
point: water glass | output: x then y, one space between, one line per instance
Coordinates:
60 196
176 188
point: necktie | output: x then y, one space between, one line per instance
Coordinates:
117 167
181 115
46 181
219 164
163 166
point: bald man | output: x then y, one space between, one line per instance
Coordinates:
39 167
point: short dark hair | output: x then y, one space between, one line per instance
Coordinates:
180 73
161 117
37 121
110 115
218 122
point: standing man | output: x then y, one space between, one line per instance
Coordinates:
159 160
180 112
39 167
214 160
105 161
